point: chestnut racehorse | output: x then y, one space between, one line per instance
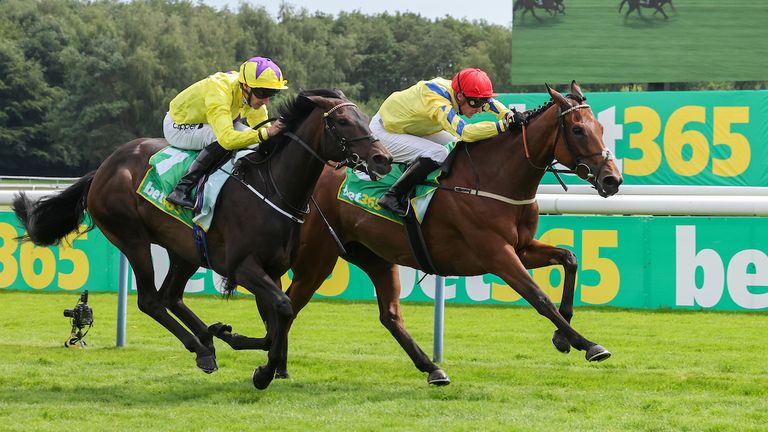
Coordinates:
253 238
466 234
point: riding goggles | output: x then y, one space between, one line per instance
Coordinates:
477 102
263 93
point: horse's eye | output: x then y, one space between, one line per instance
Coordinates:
578 130
342 122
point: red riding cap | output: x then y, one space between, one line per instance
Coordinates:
472 82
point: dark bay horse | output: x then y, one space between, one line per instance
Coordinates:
651 4
252 240
551 6
492 236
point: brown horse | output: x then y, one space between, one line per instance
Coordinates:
466 234
252 240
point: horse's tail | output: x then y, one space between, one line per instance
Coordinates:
51 218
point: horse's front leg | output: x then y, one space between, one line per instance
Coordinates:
539 254
276 309
505 263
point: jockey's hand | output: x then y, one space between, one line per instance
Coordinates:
514 118
275 128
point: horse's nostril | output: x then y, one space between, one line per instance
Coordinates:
611 184
611 181
381 159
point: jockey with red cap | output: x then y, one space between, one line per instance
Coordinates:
417 123
216 115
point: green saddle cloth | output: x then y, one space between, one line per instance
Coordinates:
166 169
359 190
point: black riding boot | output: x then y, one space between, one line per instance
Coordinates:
396 198
208 158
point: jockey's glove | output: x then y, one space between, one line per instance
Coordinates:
514 118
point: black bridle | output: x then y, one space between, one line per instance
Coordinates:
352 160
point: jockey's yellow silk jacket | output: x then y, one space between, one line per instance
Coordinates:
218 101
430 106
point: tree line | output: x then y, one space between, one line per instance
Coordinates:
78 78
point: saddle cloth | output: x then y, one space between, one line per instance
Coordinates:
166 168
359 190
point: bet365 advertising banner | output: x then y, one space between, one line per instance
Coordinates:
713 138
717 263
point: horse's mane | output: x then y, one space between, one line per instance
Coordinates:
297 108
293 111
535 112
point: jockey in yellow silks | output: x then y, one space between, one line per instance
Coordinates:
417 123
216 114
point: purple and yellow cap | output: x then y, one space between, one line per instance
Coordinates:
261 72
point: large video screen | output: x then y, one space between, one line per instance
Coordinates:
639 41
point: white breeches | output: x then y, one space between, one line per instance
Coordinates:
407 148
191 136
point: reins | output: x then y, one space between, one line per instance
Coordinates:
550 167
352 160
569 147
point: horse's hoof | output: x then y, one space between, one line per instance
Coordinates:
207 363
438 377
262 376
282 375
597 353
218 328
561 343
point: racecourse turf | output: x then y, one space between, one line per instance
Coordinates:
670 371
703 40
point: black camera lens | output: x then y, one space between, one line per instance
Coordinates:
69 313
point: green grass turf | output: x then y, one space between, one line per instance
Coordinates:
681 371
704 40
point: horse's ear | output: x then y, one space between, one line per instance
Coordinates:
576 90
557 97
341 94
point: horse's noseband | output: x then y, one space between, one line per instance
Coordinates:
352 159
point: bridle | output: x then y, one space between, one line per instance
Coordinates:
570 148
352 160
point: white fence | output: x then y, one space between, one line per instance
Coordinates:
580 199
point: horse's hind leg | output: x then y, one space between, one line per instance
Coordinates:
241 342
539 254
172 295
387 282
138 253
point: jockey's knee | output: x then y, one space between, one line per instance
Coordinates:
437 154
